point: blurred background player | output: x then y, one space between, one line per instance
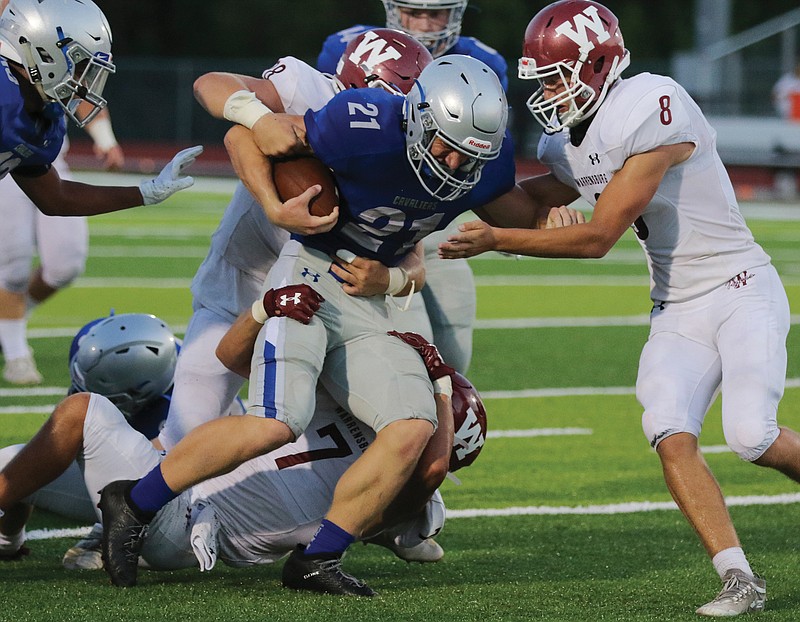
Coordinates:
62 245
246 243
254 515
449 295
786 94
55 58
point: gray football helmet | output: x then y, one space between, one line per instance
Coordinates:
437 42
65 46
129 358
458 100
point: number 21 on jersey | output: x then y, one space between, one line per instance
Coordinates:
365 116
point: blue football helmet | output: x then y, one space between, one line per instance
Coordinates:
129 358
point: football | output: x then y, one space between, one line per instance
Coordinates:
294 176
469 417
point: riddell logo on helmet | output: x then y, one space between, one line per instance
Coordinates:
480 145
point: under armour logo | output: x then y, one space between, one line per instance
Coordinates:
594 158
285 300
307 273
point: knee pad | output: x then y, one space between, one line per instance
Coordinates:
654 428
63 273
750 439
15 274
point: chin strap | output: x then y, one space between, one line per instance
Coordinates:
407 303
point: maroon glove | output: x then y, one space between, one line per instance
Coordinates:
430 354
298 302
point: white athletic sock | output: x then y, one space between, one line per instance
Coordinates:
731 558
13 338
10 543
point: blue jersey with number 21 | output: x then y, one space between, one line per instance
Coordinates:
384 210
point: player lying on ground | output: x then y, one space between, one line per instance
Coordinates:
254 515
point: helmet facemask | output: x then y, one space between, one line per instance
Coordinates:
439 180
65 48
437 42
575 102
574 48
456 105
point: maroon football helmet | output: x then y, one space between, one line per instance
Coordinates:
574 46
382 57
469 417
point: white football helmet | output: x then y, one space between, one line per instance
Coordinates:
437 42
129 358
460 101
65 46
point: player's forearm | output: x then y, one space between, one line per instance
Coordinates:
235 349
577 241
78 199
211 90
254 169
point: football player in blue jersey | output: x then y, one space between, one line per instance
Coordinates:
55 56
434 23
449 298
405 166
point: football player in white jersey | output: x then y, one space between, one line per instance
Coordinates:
253 515
640 151
246 243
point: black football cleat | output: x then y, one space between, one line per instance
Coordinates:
122 534
320 573
16 556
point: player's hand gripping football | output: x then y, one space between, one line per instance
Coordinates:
298 302
434 363
171 179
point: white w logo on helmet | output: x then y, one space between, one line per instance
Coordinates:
373 50
588 19
469 436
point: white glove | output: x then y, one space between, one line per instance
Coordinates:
203 537
169 180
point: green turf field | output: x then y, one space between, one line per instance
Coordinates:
548 524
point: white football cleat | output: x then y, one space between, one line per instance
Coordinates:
740 593
426 552
22 370
86 554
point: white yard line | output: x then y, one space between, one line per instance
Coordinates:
486 324
791 383
535 510
615 508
